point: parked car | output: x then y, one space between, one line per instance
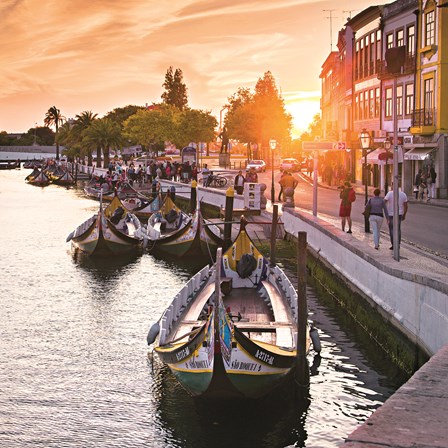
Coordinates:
292 165
259 165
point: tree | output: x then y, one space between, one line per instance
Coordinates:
151 128
103 133
54 118
195 126
260 116
175 90
80 125
120 114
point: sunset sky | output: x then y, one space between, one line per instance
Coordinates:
96 55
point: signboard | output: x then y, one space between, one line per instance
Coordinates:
324 146
252 196
311 146
189 155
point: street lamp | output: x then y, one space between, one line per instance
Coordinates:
273 145
365 140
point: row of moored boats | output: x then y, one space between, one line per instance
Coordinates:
232 329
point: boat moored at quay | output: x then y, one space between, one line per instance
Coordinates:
232 329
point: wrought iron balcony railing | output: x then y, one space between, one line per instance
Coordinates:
424 117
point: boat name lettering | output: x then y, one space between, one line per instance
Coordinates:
198 364
183 353
269 359
248 366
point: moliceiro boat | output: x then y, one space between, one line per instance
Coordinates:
232 329
110 231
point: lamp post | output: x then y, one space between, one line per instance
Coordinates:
273 145
387 145
365 140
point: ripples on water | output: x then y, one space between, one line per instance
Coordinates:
74 369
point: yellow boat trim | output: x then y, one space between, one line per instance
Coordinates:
241 246
177 369
240 372
272 348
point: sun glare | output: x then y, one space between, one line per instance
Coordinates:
302 111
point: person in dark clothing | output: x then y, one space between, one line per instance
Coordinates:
417 182
239 182
378 210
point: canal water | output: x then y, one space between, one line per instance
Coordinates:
75 370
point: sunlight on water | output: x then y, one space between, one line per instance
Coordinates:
75 371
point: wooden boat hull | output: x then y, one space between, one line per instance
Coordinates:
40 179
193 238
64 179
255 330
100 237
192 361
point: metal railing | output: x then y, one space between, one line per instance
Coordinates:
424 117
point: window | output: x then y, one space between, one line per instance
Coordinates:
356 107
377 102
400 38
430 31
372 103
372 54
361 106
429 94
378 46
399 101
409 99
411 40
366 104
390 40
388 102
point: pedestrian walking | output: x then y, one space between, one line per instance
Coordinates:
288 181
402 211
205 175
239 182
378 210
347 196
417 181
280 194
431 182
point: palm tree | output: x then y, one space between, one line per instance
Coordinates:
103 133
54 117
82 122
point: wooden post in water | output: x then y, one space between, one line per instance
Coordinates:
274 233
193 197
303 373
228 213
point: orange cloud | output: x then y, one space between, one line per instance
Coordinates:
98 55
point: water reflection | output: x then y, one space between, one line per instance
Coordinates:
274 421
73 348
104 269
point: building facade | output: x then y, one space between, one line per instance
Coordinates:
407 106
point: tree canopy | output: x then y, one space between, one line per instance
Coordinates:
175 89
258 116
165 123
105 134
53 117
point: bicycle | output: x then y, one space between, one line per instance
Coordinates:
217 181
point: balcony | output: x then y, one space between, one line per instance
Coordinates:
423 122
408 67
